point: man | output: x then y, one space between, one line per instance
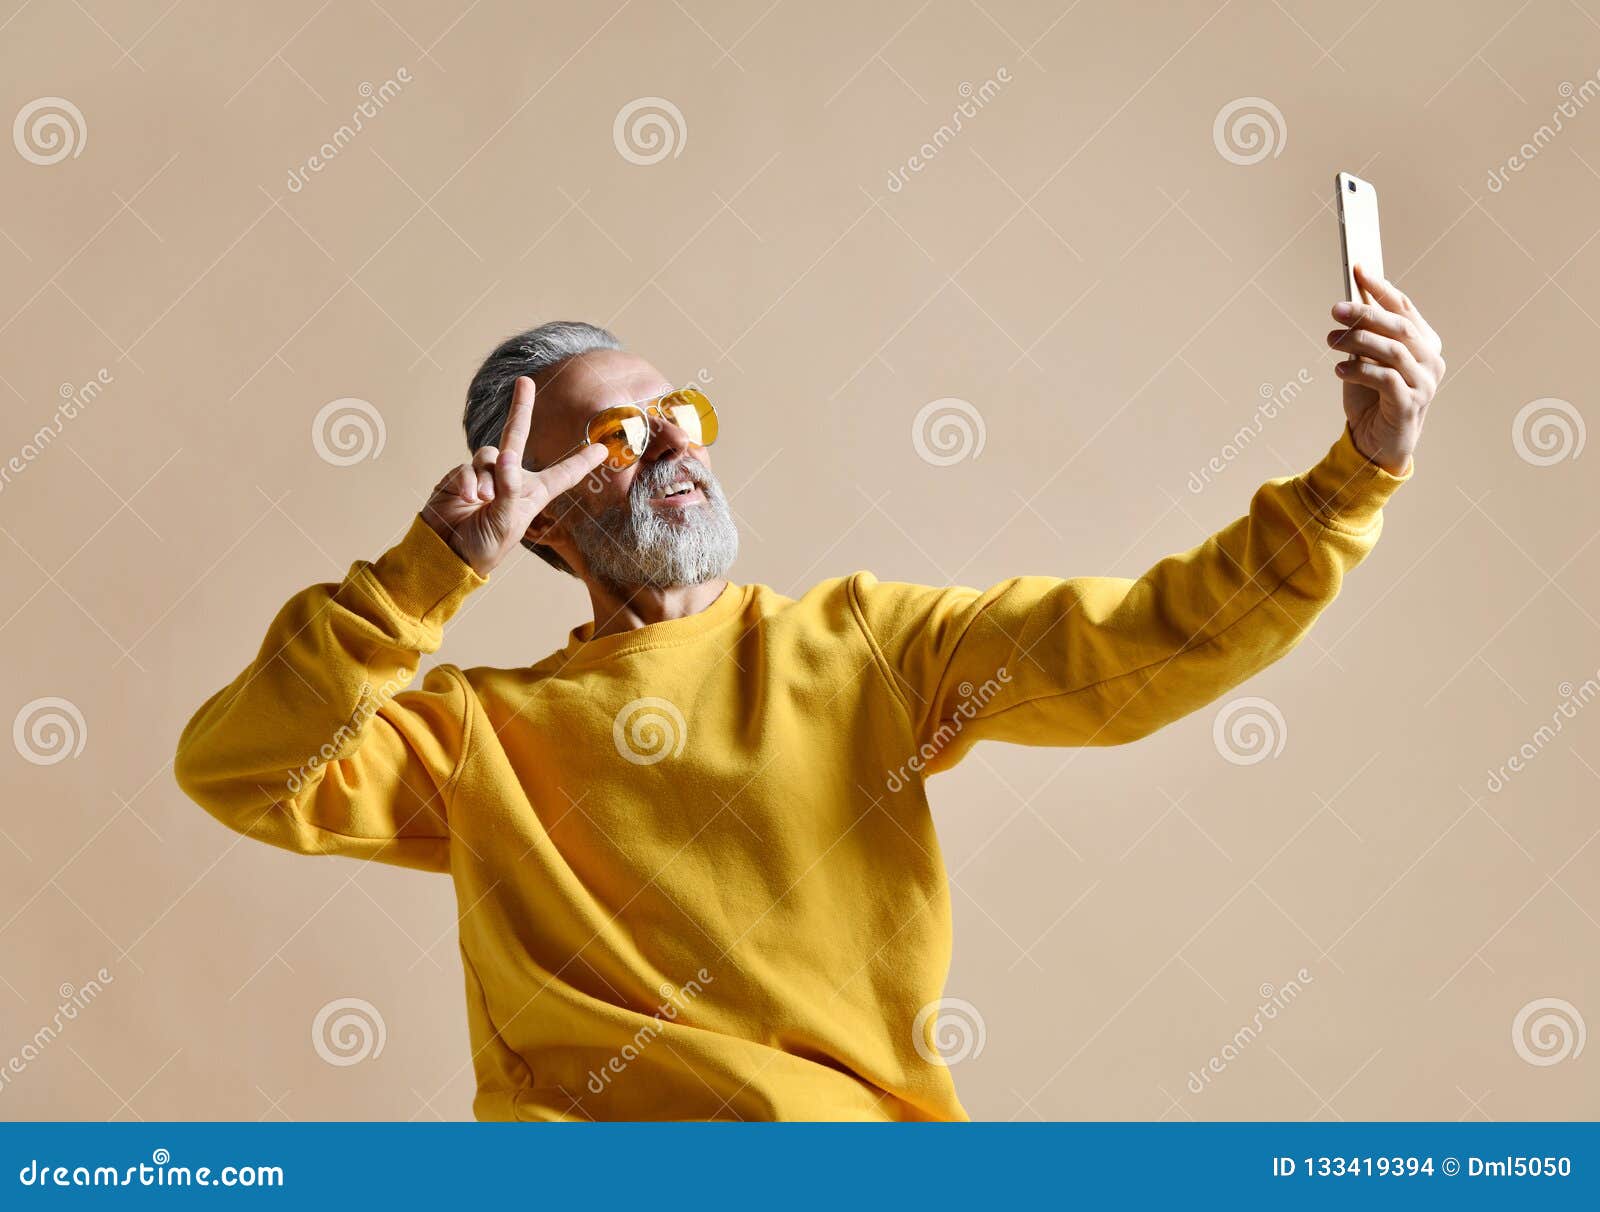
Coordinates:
695 866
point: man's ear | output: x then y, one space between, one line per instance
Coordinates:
539 530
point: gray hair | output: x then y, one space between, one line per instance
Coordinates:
528 353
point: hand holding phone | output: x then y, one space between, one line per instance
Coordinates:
1394 357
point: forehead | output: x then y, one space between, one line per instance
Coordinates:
580 387
601 379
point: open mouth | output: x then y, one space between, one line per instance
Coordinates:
683 492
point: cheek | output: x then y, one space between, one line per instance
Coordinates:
604 489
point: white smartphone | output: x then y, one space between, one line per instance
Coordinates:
1358 232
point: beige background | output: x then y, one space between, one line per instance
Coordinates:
1082 265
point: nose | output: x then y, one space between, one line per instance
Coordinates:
667 440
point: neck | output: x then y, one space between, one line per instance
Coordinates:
617 610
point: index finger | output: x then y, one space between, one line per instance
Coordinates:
514 437
1392 298
1383 290
570 471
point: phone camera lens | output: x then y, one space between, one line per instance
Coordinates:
1351 186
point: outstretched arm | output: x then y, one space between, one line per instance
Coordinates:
1105 660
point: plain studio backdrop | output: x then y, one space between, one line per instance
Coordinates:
236 331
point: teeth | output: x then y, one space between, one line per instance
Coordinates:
680 488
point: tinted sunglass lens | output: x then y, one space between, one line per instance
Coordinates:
624 432
691 412
685 418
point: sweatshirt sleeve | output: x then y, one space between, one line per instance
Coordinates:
316 746
1106 660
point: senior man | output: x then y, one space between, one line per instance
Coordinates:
695 868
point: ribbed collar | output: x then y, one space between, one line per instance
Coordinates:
728 605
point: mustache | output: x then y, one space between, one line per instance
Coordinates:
650 480
653 479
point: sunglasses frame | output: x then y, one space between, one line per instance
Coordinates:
649 407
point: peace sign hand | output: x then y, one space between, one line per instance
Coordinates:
483 508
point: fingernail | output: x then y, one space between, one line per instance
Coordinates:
1342 368
1344 311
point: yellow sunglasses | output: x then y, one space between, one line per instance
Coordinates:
625 430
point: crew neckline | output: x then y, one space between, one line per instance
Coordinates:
728 603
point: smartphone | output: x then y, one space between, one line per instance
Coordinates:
1358 232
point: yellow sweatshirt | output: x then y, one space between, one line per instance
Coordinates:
694 863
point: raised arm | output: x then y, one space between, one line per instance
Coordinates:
317 746
314 747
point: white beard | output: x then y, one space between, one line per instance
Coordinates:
634 546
